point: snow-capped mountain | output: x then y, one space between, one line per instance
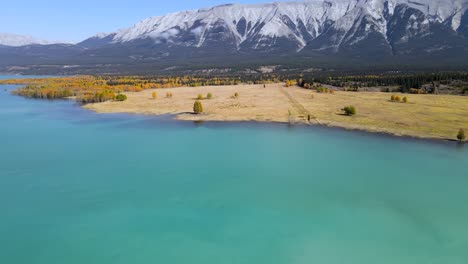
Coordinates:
292 26
312 33
14 40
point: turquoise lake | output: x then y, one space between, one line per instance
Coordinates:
85 188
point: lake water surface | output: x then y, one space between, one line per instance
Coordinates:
80 187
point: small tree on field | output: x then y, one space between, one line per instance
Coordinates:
461 135
291 118
397 98
405 99
209 96
200 96
392 98
290 83
197 107
154 95
236 94
121 97
349 110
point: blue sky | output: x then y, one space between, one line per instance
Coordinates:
76 20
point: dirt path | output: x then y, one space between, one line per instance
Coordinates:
300 109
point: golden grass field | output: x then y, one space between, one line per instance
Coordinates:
425 116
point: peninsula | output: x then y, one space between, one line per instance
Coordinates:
423 116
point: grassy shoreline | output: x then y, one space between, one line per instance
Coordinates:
424 116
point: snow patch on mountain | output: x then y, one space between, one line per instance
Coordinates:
438 10
14 40
101 35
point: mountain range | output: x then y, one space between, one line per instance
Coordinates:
313 33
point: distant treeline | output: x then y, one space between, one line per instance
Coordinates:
404 82
91 89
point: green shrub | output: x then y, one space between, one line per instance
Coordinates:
322 90
236 95
209 96
461 135
349 110
392 98
405 99
197 107
200 97
121 97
